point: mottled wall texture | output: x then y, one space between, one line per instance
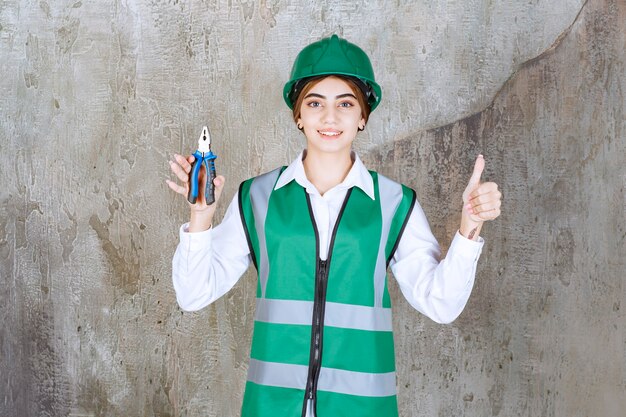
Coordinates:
95 96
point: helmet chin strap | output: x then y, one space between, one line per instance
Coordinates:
368 91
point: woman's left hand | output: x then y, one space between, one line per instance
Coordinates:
481 201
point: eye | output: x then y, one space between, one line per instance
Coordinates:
313 103
346 104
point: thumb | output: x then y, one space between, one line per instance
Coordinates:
478 170
219 182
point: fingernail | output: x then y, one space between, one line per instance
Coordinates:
480 155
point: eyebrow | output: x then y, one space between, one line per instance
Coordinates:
337 97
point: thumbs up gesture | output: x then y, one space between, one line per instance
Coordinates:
481 201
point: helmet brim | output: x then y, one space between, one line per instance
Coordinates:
291 98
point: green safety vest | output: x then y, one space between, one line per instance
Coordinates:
322 329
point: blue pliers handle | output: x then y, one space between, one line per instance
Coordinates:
203 156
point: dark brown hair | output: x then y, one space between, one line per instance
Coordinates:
360 96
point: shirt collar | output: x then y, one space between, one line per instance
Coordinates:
358 176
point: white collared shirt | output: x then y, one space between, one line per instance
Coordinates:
326 207
208 264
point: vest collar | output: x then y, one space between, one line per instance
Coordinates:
358 176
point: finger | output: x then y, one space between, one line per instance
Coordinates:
176 188
185 163
484 189
479 166
487 206
219 182
481 216
178 171
489 198
488 214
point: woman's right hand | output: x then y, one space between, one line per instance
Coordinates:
201 213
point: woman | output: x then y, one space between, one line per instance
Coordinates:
321 233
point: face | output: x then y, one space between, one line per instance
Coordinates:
330 116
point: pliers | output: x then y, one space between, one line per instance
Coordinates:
204 156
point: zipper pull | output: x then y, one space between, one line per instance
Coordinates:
323 264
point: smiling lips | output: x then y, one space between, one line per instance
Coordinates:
329 133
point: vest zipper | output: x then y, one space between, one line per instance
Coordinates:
319 306
321 283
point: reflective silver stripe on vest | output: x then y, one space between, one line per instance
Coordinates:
390 197
346 316
276 374
334 380
260 191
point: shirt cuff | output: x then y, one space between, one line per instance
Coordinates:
466 248
194 241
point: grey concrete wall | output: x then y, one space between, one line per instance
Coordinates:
96 96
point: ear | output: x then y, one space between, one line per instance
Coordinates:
299 123
362 124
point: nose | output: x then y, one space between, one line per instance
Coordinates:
329 115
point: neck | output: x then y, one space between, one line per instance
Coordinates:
326 170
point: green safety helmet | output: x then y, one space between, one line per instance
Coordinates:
330 56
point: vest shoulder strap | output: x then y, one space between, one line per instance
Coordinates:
255 197
398 200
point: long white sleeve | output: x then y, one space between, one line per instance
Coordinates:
438 289
208 264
